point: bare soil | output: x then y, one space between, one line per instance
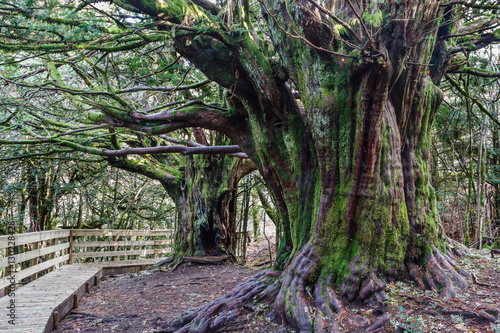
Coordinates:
145 301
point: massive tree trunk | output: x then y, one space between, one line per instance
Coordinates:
348 165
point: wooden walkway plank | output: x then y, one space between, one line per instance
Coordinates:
36 302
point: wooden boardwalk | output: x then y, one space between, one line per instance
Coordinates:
41 303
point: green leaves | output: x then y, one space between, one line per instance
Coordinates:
374 18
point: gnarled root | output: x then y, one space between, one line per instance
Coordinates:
306 300
292 305
440 272
227 308
310 304
363 285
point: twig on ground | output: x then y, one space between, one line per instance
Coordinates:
476 281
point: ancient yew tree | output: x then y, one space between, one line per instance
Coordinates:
333 102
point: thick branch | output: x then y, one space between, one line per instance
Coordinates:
475 72
212 8
191 114
223 150
477 44
163 89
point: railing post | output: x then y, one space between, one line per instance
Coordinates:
34 261
114 248
70 251
154 245
9 251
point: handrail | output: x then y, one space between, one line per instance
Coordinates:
26 255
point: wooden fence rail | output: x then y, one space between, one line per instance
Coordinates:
28 255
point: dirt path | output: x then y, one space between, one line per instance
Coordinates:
143 302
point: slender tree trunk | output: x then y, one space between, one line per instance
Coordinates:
480 185
255 217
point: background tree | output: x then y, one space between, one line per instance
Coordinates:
465 149
203 188
348 164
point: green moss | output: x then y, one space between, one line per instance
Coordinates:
374 19
171 9
97 116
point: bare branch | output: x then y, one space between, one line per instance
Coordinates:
163 89
223 150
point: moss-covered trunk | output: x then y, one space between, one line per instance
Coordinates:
207 206
203 189
348 164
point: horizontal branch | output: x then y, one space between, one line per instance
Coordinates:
163 89
178 141
82 129
129 43
475 71
473 4
232 150
35 155
191 114
477 44
32 15
469 30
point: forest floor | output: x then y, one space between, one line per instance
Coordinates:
143 302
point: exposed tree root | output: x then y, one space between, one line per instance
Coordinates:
379 323
162 263
173 263
226 309
458 248
480 315
202 260
476 281
441 274
309 303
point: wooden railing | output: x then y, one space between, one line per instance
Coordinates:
29 255
117 244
